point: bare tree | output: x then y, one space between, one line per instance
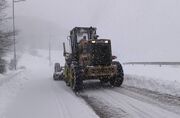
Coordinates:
5 36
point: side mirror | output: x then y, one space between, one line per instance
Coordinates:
96 37
114 57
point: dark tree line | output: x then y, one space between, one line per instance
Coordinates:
5 36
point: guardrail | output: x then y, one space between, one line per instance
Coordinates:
152 63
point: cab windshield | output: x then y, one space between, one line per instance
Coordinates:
81 35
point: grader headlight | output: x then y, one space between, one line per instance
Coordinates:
93 41
106 41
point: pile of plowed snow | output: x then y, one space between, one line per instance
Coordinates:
13 81
163 79
28 62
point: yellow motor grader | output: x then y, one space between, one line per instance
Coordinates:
90 58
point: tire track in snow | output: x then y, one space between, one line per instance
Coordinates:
103 110
165 101
109 103
62 108
69 104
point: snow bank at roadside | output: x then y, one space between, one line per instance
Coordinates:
163 79
10 84
13 81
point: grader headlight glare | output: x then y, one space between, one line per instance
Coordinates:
106 42
93 41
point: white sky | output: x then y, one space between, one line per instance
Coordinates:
141 30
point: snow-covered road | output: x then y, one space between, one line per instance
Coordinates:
41 97
127 102
44 98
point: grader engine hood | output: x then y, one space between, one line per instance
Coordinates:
100 51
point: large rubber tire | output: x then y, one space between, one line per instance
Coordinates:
66 73
57 67
119 78
76 81
54 77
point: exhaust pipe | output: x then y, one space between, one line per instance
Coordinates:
64 49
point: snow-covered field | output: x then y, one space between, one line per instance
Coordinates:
163 79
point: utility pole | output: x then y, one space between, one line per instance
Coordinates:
14 36
50 50
14 32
